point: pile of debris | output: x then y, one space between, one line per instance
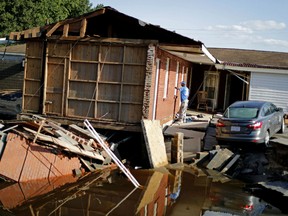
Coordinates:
256 168
42 149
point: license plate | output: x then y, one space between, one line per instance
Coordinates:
235 128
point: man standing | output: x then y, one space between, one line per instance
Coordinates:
184 94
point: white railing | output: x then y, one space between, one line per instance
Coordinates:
110 153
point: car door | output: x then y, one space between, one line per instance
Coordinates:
275 119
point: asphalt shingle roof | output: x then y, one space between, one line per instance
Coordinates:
250 57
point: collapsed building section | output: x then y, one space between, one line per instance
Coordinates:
41 149
105 66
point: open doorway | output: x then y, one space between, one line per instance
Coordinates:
236 88
210 85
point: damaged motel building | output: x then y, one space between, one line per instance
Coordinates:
119 74
106 68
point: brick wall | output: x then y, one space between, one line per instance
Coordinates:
167 107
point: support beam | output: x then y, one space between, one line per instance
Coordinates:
83 28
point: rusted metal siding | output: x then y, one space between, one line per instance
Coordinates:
102 81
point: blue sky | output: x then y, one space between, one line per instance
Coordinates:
243 24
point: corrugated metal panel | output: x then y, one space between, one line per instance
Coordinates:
270 87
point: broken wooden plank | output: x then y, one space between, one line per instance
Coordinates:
87 147
79 139
61 135
87 164
81 131
39 129
67 146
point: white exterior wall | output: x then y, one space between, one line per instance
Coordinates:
270 87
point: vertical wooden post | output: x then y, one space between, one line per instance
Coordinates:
177 148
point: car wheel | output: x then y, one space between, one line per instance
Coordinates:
267 139
283 126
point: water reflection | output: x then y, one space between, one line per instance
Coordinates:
176 190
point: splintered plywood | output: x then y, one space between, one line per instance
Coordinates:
155 145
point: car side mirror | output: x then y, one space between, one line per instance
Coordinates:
218 115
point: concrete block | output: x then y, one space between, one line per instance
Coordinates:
221 156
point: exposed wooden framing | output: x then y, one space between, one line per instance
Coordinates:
53 29
45 81
71 38
118 41
15 36
121 84
25 79
83 28
99 69
70 21
183 48
96 13
29 33
68 81
36 31
88 93
66 30
126 41
63 89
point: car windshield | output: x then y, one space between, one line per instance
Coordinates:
241 112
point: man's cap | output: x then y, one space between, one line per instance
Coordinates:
183 83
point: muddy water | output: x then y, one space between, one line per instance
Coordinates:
174 191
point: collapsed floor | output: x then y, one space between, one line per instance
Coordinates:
42 149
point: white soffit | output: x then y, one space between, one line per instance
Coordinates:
251 69
192 54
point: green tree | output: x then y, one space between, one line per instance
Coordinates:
17 15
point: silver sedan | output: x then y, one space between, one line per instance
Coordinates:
250 122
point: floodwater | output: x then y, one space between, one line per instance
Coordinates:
177 190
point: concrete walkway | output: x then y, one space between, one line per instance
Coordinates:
194 130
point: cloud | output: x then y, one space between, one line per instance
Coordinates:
249 27
255 34
276 42
232 28
264 25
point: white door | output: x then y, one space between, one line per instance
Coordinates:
211 82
